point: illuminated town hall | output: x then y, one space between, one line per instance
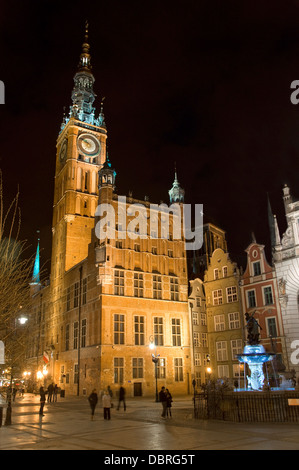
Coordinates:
133 310
108 301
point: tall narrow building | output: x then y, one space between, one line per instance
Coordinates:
286 262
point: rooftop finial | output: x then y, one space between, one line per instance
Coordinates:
175 172
85 56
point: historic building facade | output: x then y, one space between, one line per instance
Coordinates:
260 297
285 251
116 287
225 322
200 358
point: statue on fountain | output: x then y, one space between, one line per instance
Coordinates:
252 329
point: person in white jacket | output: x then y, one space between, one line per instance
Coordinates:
106 400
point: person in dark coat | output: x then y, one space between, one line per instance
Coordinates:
50 392
121 398
93 400
55 393
168 401
42 400
163 400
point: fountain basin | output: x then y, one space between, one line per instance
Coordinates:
255 354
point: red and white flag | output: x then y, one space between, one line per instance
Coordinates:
45 357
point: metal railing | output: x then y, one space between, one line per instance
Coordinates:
247 406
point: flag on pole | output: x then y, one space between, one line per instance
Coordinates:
45 357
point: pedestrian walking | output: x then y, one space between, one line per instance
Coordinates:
106 400
169 402
42 400
163 400
121 398
110 391
55 392
93 400
50 392
14 393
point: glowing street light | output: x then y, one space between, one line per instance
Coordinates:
155 360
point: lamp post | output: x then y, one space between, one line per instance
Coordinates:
194 397
155 360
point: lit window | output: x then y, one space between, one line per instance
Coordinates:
219 323
217 297
234 320
139 330
176 331
119 282
119 329
138 285
231 293
178 369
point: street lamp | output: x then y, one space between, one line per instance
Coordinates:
155 360
22 320
209 371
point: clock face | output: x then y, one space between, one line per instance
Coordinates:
63 151
89 145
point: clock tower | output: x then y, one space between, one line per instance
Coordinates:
81 152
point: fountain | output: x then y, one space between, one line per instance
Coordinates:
254 355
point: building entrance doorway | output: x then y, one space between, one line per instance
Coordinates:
137 389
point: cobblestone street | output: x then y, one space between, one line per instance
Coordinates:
67 426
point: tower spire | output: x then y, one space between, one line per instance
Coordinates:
83 95
176 193
84 63
36 268
271 222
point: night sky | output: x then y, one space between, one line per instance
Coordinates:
204 84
